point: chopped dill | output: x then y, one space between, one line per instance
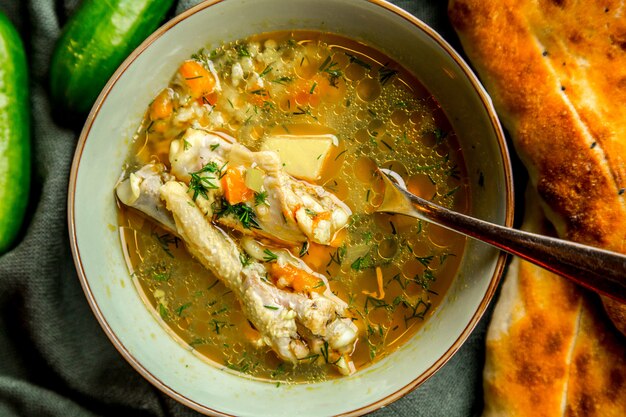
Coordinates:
218 325
358 61
269 256
375 303
385 74
340 153
266 71
213 285
161 273
363 262
393 228
440 135
242 51
260 198
245 259
282 80
324 351
330 68
304 249
163 312
338 256
386 145
243 213
165 240
179 310
452 191
424 260
200 184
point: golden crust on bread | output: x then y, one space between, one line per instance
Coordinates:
556 70
549 349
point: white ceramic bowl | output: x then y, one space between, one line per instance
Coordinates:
103 146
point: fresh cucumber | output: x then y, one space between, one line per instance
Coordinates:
94 42
14 133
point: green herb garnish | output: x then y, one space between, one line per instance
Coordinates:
245 259
200 184
330 68
260 198
385 74
304 249
165 240
424 260
242 51
163 312
269 256
266 71
243 213
179 310
338 256
359 61
282 80
363 262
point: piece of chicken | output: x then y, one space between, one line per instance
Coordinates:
292 211
277 314
142 191
295 325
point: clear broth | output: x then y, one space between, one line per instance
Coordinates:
382 116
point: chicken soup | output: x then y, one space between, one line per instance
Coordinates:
247 205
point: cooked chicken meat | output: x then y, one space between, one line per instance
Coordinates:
277 314
294 310
292 210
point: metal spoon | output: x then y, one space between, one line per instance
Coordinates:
597 269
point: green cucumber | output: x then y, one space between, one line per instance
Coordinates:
14 134
94 42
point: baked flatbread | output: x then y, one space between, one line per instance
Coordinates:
551 350
556 70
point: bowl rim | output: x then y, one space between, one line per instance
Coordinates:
494 281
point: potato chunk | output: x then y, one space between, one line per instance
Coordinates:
304 157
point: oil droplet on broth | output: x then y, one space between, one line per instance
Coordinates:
368 89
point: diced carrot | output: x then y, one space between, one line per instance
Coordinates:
301 281
381 289
199 80
305 282
317 255
162 107
234 185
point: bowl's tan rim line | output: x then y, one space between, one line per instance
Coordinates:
357 412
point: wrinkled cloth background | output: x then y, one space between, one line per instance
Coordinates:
55 360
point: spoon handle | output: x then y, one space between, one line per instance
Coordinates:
597 269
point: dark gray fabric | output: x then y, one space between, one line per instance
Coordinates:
54 358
